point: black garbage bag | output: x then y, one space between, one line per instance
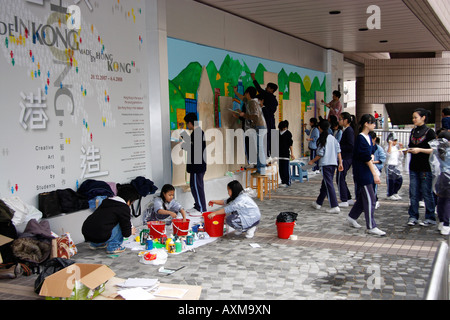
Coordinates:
287 217
48 268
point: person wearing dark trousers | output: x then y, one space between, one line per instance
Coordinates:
365 175
270 108
347 143
286 153
329 157
196 165
312 144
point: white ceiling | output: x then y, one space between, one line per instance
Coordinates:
407 25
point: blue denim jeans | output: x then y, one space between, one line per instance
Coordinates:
261 160
114 242
420 185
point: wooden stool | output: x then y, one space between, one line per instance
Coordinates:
262 186
247 173
272 172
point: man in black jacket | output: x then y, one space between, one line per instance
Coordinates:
111 221
269 110
196 166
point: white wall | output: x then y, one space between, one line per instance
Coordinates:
194 22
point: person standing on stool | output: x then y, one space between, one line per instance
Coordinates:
196 165
255 120
270 108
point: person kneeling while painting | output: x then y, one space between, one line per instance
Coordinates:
165 207
243 214
111 221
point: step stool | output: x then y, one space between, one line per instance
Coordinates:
297 173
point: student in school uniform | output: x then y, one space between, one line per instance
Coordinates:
365 176
347 143
313 134
379 160
393 169
286 153
196 165
242 213
329 157
165 207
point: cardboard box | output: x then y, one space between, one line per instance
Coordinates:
77 282
4 240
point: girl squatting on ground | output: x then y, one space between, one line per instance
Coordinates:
165 207
365 176
243 214
328 155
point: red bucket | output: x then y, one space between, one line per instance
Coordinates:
180 228
157 229
285 229
214 227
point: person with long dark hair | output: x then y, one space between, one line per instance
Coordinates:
312 145
165 207
111 221
328 156
365 176
242 212
347 143
420 176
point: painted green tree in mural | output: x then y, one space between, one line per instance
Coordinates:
228 76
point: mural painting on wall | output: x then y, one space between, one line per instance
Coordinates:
72 87
205 85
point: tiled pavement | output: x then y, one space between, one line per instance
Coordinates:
328 261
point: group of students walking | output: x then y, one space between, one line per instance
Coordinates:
358 147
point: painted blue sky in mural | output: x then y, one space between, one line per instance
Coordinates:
181 53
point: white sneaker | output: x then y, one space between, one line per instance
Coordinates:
445 231
422 204
250 233
334 210
318 172
377 205
316 206
343 204
351 202
194 212
353 223
393 198
283 185
440 225
376 231
398 197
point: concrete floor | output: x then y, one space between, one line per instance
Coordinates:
328 261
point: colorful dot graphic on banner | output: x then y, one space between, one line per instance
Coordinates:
104 122
46 89
92 137
6 42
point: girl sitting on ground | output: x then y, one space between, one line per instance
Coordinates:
243 214
165 208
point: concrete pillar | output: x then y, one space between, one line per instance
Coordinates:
335 76
158 76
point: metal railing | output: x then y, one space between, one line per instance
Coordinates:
402 135
438 285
